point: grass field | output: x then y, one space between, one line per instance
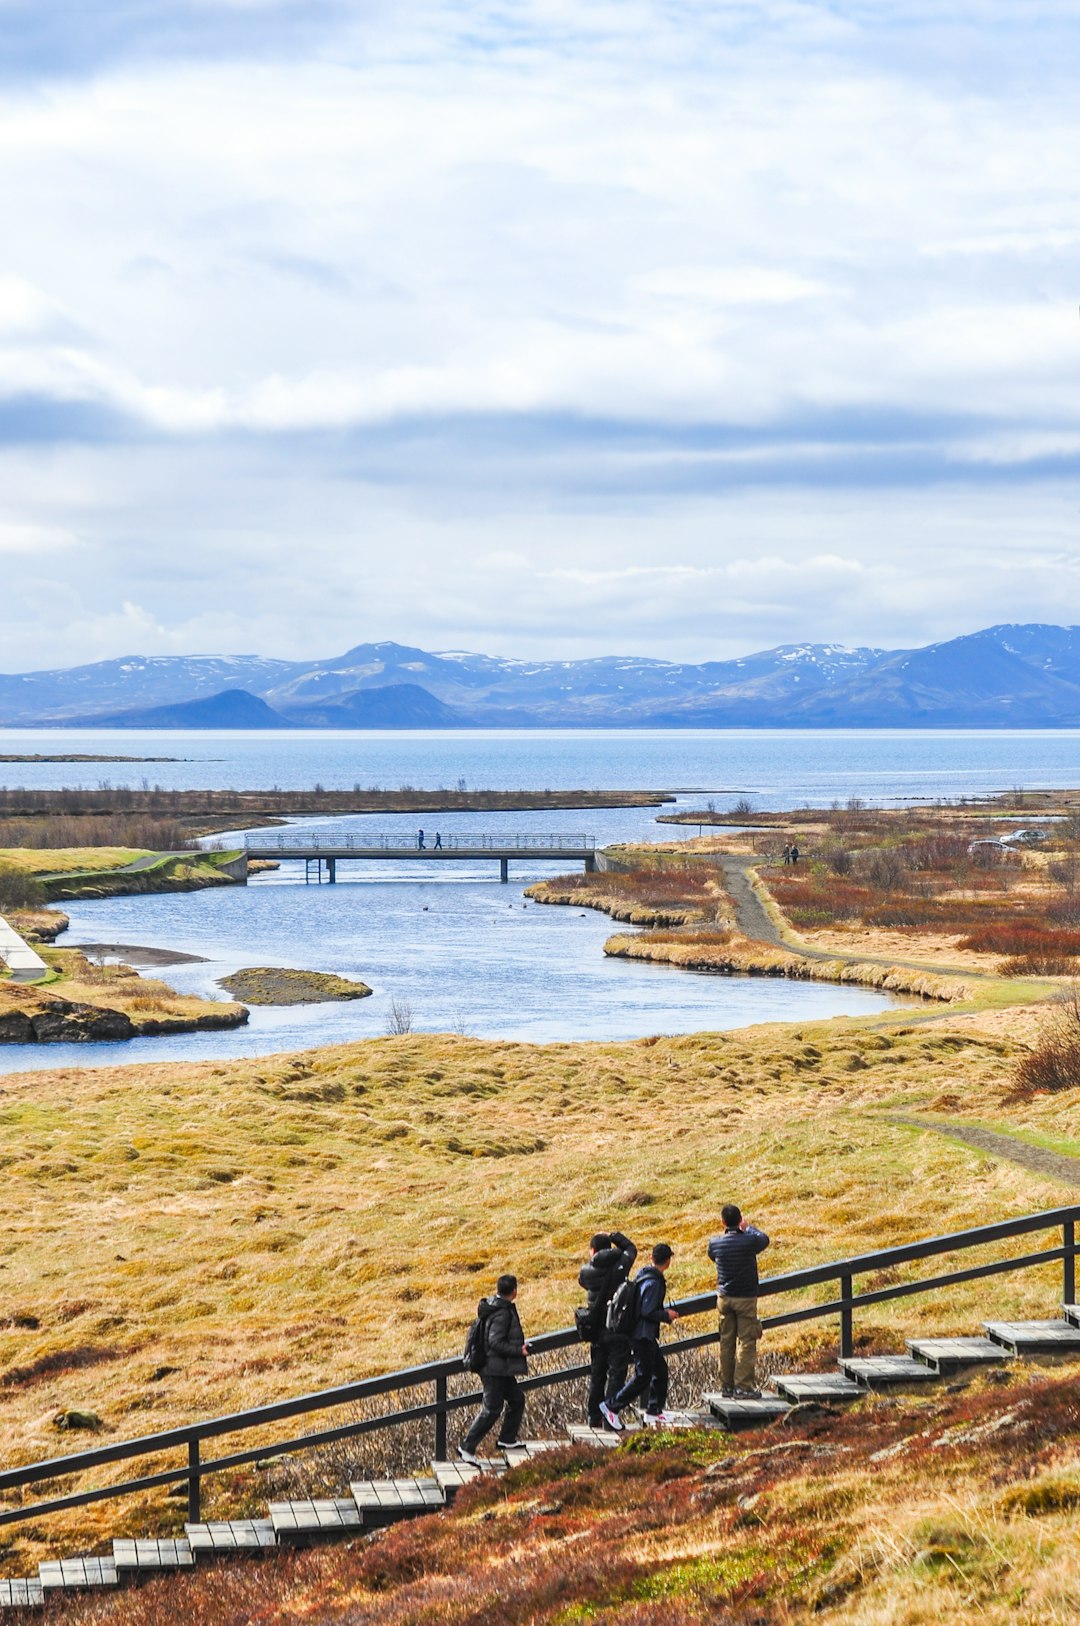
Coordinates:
181 1240
59 860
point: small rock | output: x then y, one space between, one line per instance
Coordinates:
958 1388
998 1374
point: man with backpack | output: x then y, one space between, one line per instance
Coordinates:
496 1350
735 1254
641 1303
611 1259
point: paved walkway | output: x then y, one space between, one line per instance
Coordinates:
18 956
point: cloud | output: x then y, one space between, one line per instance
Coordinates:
694 301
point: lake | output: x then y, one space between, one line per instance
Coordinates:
462 952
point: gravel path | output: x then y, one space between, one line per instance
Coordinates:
755 921
1036 1159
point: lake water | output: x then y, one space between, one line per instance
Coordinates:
777 768
462 952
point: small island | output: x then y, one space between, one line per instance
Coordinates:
276 985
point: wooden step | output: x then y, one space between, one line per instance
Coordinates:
886 1371
223 1537
1071 1312
526 1450
23 1593
821 1386
1035 1337
314 1520
945 1356
139 1557
585 1434
77 1575
451 1476
739 1414
384 1501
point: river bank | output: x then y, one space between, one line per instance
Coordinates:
83 1003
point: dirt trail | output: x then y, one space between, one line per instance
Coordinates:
1036 1159
754 920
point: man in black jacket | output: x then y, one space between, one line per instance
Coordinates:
650 1367
735 1255
505 1352
611 1259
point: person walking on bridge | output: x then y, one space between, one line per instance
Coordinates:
611 1259
735 1254
420 840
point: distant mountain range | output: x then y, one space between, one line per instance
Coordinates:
1005 677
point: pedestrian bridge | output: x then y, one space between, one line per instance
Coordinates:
330 847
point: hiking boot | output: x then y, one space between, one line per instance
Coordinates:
727 1392
611 1418
747 1394
507 1445
468 1456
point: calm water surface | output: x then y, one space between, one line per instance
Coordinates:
463 952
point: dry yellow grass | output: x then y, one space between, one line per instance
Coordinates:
58 860
111 987
269 1226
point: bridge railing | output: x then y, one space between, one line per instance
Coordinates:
191 1437
302 841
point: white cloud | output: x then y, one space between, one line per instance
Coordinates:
370 301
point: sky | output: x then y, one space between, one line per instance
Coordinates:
679 328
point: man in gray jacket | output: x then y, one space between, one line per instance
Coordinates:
735 1254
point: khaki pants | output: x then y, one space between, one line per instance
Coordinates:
739 1325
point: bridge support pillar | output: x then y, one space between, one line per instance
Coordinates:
504 870
331 870
590 863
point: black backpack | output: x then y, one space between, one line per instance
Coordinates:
474 1355
622 1310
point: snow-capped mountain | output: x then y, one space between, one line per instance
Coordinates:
1005 676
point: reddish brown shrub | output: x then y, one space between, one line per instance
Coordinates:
1022 936
1054 1063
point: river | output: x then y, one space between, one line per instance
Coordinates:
451 945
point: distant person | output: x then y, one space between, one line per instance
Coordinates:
438 842
650 1367
787 855
735 1254
794 853
420 840
611 1259
504 1361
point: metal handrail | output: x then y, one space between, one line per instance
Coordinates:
398 841
437 1373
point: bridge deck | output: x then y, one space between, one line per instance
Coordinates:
303 845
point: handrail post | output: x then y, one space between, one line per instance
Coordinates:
1069 1262
847 1342
194 1499
440 1418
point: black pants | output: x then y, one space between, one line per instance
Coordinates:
498 1392
607 1371
650 1372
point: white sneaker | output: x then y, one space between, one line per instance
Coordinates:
468 1456
655 1419
611 1418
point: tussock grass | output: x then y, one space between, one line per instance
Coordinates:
236 1233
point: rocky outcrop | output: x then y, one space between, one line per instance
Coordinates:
63 1021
